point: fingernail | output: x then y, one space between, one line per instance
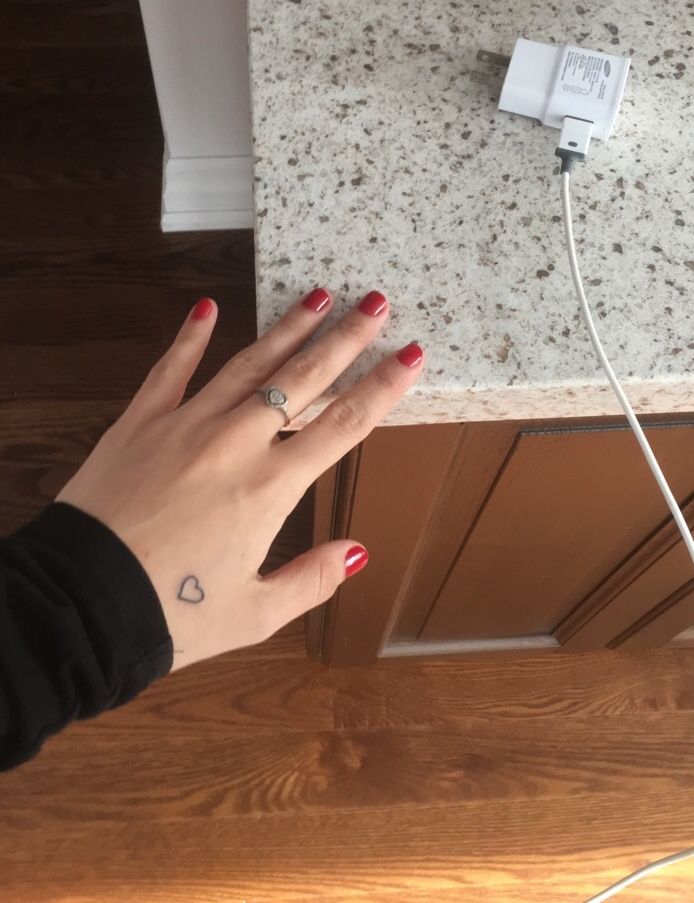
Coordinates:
203 309
410 355
373 304
355 560
317 300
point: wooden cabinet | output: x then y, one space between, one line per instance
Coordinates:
501 536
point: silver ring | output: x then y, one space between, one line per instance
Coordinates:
275 398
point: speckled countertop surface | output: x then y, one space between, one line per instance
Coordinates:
381 161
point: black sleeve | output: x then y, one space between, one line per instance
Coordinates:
81 627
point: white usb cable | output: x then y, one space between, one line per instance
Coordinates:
579 91
573 146
641 873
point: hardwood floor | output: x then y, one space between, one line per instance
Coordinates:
262 776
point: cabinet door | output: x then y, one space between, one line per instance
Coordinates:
505 536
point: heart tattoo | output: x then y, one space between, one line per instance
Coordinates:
191 591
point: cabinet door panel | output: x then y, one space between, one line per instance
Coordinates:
565 509
383 493
474 463
501 536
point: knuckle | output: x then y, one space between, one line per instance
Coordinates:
387 379
308 367
245 364
350 329
165 369
349 417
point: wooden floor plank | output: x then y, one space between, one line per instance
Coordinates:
95 70
98 265
444 692
223 696
479 851
212 769
70 24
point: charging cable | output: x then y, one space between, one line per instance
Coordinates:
641 873
573 147
579 91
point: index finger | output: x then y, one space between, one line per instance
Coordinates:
350 418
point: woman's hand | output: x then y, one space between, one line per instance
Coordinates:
199 491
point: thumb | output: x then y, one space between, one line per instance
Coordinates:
310 579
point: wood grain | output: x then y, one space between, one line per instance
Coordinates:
659 568
474 462
472 851
670 621
216 771
444 693
568 508
70 24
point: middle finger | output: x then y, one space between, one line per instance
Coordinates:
310 372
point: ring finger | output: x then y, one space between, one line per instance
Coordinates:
253 365
310 372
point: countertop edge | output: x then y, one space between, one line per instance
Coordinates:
557 402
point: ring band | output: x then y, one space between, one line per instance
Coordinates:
275 398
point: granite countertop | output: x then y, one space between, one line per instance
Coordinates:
381 161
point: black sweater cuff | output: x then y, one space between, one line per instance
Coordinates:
84 629
115 593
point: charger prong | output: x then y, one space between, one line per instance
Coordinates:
494 59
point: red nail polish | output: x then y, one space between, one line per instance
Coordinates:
317 300
203 309
373 304
355 560
410 355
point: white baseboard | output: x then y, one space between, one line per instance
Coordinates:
207 193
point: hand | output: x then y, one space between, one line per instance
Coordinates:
198 491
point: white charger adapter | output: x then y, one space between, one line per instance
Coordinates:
578 91
551 81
